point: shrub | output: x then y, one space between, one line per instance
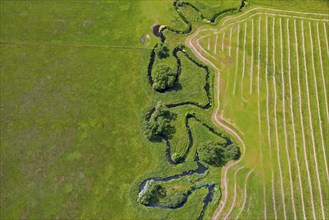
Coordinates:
159 124
232 152
176 157
217 155
162 51
164 77
210 153
175 201
151 193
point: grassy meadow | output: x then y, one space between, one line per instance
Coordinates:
72 106
74 93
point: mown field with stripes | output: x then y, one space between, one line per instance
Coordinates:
273 88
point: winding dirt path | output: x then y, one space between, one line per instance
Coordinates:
201 48
244 195
235 193
197 53
232 124
216 120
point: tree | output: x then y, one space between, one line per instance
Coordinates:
210 153
152 193
216 154
159 124
162 51
164 77
232 152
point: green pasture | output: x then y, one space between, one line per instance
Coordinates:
62 127
74 93
71 143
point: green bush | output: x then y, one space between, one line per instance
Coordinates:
176 157
217 155
164 77
232 152
162 51
151 193
159 124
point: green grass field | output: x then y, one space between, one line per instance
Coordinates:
273 92
75 92
71 106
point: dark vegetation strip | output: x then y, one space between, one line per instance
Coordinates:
201 168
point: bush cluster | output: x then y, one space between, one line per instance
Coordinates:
162 51
159 124
151 193
164 77
217 155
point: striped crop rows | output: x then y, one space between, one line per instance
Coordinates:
275 79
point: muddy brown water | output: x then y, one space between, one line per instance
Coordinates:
156 30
